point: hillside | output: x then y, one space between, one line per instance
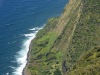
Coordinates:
69 44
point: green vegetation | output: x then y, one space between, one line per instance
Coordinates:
69 44
41 57
87 32
88 64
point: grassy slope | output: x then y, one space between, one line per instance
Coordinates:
88 64
41 45
86 37
65 40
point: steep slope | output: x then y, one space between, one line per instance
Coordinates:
88 64
63 42
86 36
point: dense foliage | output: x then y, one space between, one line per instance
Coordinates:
69 44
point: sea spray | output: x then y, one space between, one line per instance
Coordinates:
21 58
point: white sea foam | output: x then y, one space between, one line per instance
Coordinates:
12 67
21 58
34 28
29 35
7 73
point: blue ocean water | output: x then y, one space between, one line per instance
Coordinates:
19 22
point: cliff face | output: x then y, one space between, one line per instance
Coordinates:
69 44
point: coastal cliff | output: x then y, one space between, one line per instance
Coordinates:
69 44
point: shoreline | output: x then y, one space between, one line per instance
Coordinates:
25 72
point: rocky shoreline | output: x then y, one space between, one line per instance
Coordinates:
25 71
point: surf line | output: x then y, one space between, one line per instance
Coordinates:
22 56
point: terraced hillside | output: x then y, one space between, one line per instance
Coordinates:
69 44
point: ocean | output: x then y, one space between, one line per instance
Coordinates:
20 20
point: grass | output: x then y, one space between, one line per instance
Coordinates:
88 64
69 44
41 57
